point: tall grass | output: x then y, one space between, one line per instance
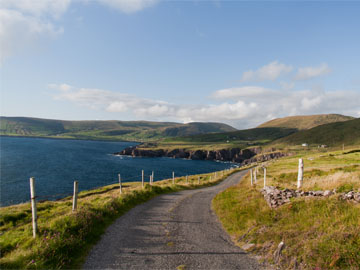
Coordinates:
319 233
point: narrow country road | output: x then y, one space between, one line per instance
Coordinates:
170 231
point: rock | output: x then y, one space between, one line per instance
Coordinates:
278 251
247 247
318 193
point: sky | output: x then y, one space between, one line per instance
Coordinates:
236 62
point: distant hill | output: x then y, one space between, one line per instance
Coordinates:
333 134
246 135
104 130
302 122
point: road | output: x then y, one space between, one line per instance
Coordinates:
172 231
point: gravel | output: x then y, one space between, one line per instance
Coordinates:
172 231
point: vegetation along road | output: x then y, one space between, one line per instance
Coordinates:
172 231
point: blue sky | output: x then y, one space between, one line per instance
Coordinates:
237 62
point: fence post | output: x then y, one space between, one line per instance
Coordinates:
75 196
142 178
255 177
264 177
187 180
120 184
300 173
251 176
33 205
173 176
198 180
152 177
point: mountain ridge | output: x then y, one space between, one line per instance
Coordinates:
303 122
105 129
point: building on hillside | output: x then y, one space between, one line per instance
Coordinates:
305 145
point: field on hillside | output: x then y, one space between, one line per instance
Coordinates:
306 121
104 130
226 140
319 233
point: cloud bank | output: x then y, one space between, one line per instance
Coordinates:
243 107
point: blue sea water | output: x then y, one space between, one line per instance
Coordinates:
56 164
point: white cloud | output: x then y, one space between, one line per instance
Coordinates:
129 6
237 92
19 31
37 8
287 85
270 72
306 73
241 111
24 22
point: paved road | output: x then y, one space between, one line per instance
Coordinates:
170 231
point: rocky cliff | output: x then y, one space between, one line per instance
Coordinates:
237 155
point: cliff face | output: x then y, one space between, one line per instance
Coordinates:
237 155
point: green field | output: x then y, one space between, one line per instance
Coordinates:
319 233
104 130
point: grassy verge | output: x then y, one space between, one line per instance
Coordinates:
64 238
319 233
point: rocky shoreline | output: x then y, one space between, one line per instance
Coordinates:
237 155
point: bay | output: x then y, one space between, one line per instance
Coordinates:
56 164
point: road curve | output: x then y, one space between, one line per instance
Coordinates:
177 230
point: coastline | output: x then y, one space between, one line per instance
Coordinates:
64 138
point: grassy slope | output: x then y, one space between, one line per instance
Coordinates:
321 233
64 237
306 121
226 140
104 130
334 134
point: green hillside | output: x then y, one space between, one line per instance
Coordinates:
225 140
104 130
334 134
302 122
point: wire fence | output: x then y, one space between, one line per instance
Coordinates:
144 178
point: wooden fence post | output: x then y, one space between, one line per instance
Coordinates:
33 205
173 178
264 177
120 184
152 177
142 178
198 180
300 173
74 207
251 176
150 182
255 177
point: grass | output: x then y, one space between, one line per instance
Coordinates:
65 237
319 233
306 121
333 134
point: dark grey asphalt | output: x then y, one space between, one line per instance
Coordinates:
170 231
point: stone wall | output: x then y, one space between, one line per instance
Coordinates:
276 197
